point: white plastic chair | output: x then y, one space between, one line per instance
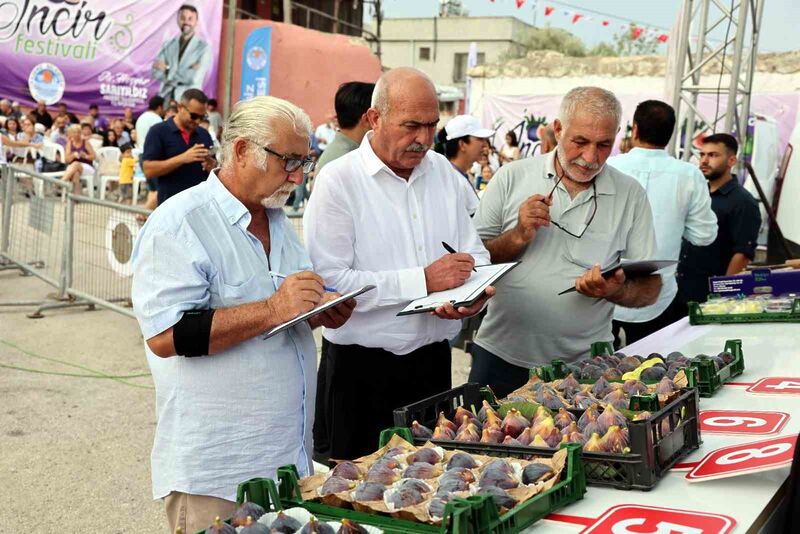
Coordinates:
106 154
97 144
52 151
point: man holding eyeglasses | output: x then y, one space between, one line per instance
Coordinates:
177 151
566 216
231 405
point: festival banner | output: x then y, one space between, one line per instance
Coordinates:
114 54
256 63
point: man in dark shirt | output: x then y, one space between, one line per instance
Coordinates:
40 115
738 218
177 151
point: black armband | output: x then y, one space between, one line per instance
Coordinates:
192 334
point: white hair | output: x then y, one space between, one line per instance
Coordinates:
598 102
380 96
259 121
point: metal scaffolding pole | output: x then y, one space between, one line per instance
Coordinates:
716 55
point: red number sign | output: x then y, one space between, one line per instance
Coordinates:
636 519
742 422
745 458
776 385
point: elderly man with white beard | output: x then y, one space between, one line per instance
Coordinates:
567 216
231 405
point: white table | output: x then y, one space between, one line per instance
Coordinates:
769 350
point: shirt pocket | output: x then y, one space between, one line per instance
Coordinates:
594 247
238 292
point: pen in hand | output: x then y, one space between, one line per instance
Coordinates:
279 275
451 250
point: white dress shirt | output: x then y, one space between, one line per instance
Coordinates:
678 193
245 412
366 225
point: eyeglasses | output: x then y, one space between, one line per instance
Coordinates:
591 216
197 116
292 164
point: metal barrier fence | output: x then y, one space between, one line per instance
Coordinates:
79 245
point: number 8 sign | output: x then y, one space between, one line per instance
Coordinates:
743 459
639 519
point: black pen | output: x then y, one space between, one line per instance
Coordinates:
451 250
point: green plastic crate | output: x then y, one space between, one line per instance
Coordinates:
696 316
473 515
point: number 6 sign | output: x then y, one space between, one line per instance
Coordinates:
742 422
639 519
746 458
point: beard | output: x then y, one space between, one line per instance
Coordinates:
713 173
278 198
579 162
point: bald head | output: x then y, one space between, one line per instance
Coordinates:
398 83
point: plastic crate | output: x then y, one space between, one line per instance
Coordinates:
696 316
702 374
473 515
652 454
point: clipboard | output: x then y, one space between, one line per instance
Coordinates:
466 295
316 311
632 270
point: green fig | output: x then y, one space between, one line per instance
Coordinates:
538 441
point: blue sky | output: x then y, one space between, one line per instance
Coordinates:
779 24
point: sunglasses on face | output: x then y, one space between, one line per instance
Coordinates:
197 116
292 164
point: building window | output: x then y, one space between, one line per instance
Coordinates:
425 53
460 65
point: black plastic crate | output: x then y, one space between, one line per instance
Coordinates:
653 452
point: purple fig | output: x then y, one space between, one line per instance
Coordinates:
576 437
462 412
461 459
420 470
444 432
590 415
615 441
251 526
316 527
540 414
628 364
492 435
726 357
514 423
666 386
388 462
285 524
539 442
248 509
591 372
600 388
443 421
583 400
651 374
486 408
347 470
553 438
617 399
544 427
572 427
406 497
501 497
612 373
563 418
218 527
610 417
469 434
382 475
369 491
437 505
508 440
336 485
396 451
499 465
420 431
453 484
536 472
497 478
526 437
593 444
569 384
416 484
351 527
634 387
426 454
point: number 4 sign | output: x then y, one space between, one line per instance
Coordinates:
746 458
776 385
742 422
638 519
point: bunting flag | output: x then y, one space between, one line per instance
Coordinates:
605 23
576 17
520 3
637 32
548 10
663 37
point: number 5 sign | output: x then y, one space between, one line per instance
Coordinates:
742 422
776 385
637 519
743 459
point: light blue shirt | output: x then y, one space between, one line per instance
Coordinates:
245 412
678 194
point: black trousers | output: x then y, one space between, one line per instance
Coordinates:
362 388
636 331
495 372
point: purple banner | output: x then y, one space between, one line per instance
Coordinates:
114 54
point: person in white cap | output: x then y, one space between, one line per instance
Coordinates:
463 141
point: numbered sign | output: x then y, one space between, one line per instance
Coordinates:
637 519
746 458
742 422
776 385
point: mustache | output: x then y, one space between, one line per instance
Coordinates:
580 162
417 147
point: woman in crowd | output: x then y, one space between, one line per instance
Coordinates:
510 150
28 135
80 156
110 138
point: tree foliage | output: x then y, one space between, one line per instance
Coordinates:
548 38
626 45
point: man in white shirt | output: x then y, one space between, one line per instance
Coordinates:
231 404
379 215
567 216
681 203
325 134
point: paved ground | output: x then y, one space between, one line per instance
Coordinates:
75 450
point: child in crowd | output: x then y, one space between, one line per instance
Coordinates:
126 166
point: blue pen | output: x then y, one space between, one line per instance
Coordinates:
326 288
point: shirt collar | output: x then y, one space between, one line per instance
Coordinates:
728 187
346 140
172 126
231 206
649 152
374 164
604 183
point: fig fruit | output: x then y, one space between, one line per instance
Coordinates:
538 441
347 470
469 434
501 497
590 415
508 440
420 431
415 484
576 437
427 455
583 400
656 372
615 441
395 451
666 386
526 437
218 527
369 491
540 415
536 472
444 432
461 460
634 387
569 385
616 398
251 526
514 423
316 527
492 435
382 474
462 473
672 356
593 444
336 485
563 418
499 465
391 463
420 470
591 372
438 503
461 413
285 524
406 497
628 364
453 484
610 417
498 478
351 527
612 373
543 427
248 509
445 422
600 388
